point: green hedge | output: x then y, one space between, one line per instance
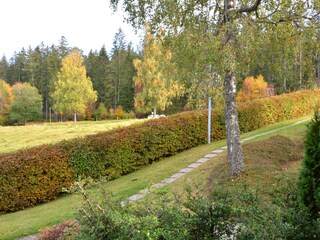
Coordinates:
37 175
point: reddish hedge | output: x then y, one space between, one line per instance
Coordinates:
122 151
33 176
37 175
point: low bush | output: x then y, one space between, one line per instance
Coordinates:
163 217
35 175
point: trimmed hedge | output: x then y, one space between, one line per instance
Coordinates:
37 175
32 176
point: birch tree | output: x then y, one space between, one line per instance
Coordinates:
223 25
154 87
73 89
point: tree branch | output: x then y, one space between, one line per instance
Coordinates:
252 8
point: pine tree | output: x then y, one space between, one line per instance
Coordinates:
309 178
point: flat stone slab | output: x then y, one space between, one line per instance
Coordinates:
194 165
136 197
211 155
203 160
225 147
159 185
178 175
169 180
186 170
146 191
218 151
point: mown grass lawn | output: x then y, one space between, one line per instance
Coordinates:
212 173
13 138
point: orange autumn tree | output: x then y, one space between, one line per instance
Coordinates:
253 88
6 100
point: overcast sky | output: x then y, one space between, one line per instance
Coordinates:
87 24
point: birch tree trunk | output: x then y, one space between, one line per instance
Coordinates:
235 156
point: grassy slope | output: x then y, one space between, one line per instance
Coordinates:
13 138
207 176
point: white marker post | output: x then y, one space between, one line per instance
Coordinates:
209 121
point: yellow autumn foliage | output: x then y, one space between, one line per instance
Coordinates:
253 88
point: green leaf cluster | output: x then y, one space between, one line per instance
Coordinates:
27 104
309 178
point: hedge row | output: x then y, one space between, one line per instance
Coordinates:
37 175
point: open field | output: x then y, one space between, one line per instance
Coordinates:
214 172
13 138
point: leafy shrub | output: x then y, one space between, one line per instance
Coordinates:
101 112
161 218
129 115
263 112
309 178
119 112
253 88
32 176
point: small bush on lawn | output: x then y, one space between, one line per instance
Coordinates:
32 176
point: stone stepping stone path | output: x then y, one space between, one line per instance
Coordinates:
176 176
198 163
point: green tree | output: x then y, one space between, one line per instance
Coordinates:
6 99
98 69
27 104
120 88
73 89
4 65
154 87
309 177
101 112
222 28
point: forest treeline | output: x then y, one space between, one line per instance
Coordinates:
111 73
288 61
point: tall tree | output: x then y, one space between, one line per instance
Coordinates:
154 87
73 89
117 70
223 25
27 104
127 88
98 69
4 65
6 99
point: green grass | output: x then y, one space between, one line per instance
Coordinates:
13 138
29 221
